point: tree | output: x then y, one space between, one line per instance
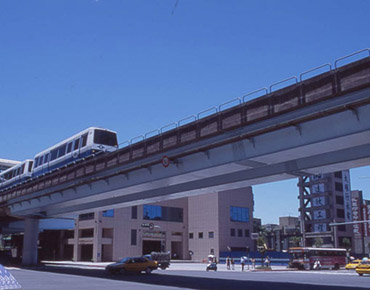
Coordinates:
296 241
261 247
346 243
318 242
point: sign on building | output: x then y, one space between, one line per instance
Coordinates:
347 195
356 216
319 214
318 201
318 228
317 188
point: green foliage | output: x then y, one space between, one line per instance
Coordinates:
318 242
346 243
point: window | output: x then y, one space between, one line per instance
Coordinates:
240 232
338 186
162 213
76 143
86 216
46 158
340 213
86 233
69 147
54 154
134 212
105 138
342 228
191 235
338 174
62 150
246 233
232 232
339 199
211 235
200 235
108 213
133 237
239 214
83 140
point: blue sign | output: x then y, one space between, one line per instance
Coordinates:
7 281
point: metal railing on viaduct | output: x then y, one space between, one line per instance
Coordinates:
333 83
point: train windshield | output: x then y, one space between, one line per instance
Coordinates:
105 138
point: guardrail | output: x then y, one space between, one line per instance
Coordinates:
216 120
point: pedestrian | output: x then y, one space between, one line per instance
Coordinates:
242 262
232 263
228 263
253 261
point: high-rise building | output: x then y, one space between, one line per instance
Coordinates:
326 199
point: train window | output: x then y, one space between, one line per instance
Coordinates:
22 169
62 150
76 143
54 154
46 158
30 165
105 138
41 160
36 162
69 147
83 140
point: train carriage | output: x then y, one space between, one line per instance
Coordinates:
16 174
88 142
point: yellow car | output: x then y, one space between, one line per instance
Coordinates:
132 264
352 264
363 267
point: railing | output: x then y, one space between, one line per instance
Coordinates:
216 120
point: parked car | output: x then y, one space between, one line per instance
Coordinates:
132 264
352 264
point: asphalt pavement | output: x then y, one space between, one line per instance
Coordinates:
185 276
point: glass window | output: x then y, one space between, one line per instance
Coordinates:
340 213
211 235
69 147
200 235
83 140
108 213
86 216
133 237
105 138
76 144
62 150
46 158
163 213
232 232
339 199
30 166
191 235
240 232
54 154
246 233
134 212
239 214
338 186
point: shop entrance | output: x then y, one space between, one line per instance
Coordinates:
151 246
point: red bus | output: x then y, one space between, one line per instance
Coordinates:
305 258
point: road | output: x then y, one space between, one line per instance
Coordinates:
186 276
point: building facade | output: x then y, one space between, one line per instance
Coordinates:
325 199
188 228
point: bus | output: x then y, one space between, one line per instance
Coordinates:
329 258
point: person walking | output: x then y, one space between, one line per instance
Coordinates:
228 263
253 260
242 262
232 264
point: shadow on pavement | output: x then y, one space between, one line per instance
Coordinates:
186 281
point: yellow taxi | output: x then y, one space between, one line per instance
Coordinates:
132 264
363 267
352 264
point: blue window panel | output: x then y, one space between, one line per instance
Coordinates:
239 214
108 213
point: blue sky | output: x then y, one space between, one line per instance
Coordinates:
134 66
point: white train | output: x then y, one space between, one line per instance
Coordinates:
90 141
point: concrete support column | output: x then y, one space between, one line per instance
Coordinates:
97 241
30 239
76 247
